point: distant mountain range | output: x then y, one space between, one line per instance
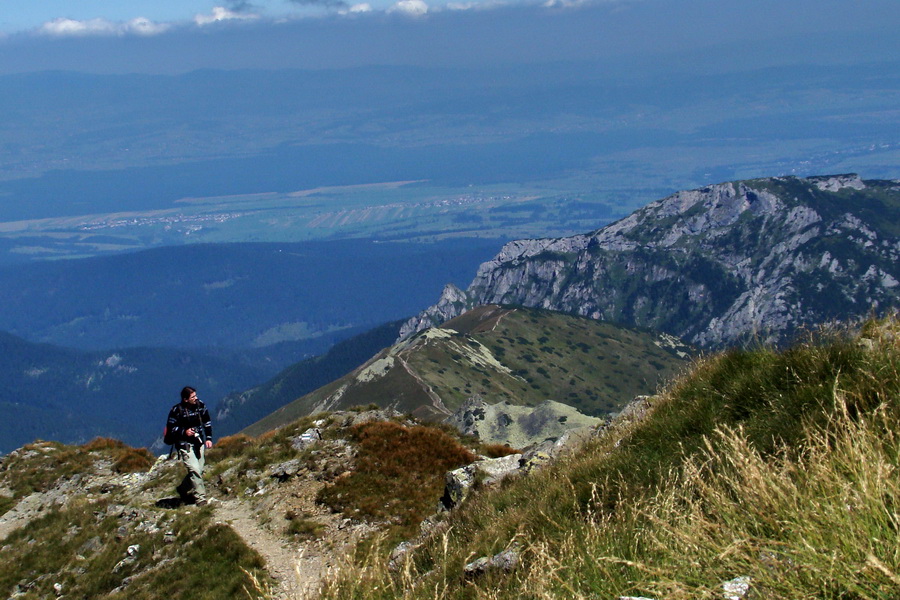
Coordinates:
715 266
55 393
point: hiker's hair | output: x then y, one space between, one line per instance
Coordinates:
186 392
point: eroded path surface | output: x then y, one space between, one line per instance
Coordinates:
298 572
299 565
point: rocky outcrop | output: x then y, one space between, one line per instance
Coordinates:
518 426
459 482
714 266
453 302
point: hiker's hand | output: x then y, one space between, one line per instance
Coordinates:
190 432
208 444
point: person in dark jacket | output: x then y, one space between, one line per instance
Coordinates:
190 425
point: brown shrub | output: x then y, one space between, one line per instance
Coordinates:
132 460
399 473
267 435
232 445
104 443
498 450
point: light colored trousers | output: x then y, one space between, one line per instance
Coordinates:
194 459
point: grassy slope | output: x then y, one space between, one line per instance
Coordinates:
81 540
300 378
521 356
780 467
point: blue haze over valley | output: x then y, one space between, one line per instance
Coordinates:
251 183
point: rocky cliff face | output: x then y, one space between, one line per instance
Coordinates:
714 266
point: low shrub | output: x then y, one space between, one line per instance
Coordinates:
497 450
399 473
132 460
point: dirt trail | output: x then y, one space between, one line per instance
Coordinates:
298 574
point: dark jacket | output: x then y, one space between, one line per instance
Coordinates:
184 416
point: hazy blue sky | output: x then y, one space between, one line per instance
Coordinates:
181 35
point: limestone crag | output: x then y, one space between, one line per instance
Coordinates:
518 426
451 303
714 266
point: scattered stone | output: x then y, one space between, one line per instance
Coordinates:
399 554
128 560
495 469
737 588
285 470
92 545
505 561
459 482
306 439
148 527
477 567
536 457
637 408
456 487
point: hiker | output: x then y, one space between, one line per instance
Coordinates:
190 430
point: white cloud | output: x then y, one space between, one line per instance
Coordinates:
144 26
574 3
64 27
413 8
478 5
220 13
359 8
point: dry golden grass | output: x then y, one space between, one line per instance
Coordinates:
782 469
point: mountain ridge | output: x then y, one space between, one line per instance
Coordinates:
715 266
493 354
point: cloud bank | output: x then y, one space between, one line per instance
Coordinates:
625 35
240 10
63 27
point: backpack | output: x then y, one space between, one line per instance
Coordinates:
168 436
